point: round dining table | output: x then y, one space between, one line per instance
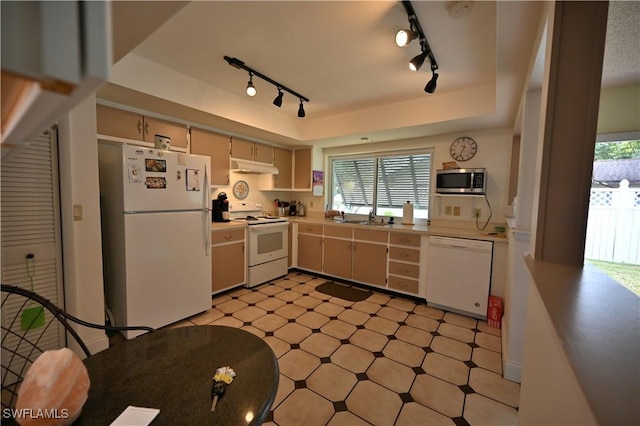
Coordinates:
172 370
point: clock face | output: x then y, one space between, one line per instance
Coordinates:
463 149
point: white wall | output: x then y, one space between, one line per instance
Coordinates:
619 109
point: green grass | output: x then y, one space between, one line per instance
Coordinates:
626 274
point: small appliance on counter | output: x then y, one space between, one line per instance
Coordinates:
301 209
221 208
292 208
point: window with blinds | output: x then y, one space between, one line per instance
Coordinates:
382 183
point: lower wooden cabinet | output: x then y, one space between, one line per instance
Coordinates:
310 252
337 257
227 259
370 263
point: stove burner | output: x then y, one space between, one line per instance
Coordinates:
251 218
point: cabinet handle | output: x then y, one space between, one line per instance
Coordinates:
477 305
146 127
139 126
227 237
403 270
405 239
403 254
308 229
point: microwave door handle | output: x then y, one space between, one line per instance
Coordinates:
472 181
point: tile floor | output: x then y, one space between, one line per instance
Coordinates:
387 360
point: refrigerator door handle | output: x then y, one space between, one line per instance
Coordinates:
206 213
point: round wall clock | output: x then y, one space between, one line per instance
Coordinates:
463 148
241 190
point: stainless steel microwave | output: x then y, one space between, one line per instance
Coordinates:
461 181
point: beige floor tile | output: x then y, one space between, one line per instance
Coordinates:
292 333
271 304
445 368
392 314
452 348
438 395
338 329
345 418
460 320
286 283
253 297
271 290
250 313
269 322
479 410
341 302
315 282
219 299
429 311
494 386
487 359
352 358
421 322
456 332
228 322
285 388
369 340
304 288
304 407
413 335
379 298
308 302
332 382
207 317
320 345
321 296
392 375
290 311
414 414
366 307
312 319
298 364
300 277
374 403
179 324
484 327
240 291
489 341
382 326
354 317
279 347
404 353
402 304
230 306
254 331
329 309
288 295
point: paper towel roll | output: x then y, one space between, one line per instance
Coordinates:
407 213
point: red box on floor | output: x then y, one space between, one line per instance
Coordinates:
494 311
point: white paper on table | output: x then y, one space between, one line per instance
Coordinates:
136 416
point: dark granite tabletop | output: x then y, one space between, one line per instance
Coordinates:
172 370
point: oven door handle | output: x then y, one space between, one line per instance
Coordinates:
267 227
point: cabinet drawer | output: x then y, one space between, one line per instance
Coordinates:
405 254
310 229
370 235
220 237
403 284
404 239
339 231
404 269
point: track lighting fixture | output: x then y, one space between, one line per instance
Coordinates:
251 90
404 37
278 100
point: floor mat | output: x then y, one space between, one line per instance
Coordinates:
343 291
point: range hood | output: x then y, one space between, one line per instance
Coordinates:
245 166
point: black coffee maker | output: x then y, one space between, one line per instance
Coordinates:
220 208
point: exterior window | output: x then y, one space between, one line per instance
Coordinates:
382 183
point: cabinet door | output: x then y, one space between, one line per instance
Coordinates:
227 266
242 149
302 168
337 257
310 252
120 123
282 160
216 146
177 132
262 153
370 263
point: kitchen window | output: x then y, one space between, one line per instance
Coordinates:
382 183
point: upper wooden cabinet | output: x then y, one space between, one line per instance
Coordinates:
131 125
283 161
216 146
302 163
252 151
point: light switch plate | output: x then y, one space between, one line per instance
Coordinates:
77 212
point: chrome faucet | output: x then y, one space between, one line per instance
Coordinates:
371 216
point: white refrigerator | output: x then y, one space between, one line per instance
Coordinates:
156 229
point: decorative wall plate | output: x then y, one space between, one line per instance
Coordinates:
241 190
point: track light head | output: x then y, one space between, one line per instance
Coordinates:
405 36
416 62
301 113
278 100
431 85
251 89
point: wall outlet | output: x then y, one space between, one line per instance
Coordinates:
477 212
456 210
447 210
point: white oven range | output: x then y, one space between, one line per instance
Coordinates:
267 245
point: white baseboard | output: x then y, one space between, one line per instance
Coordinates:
513 371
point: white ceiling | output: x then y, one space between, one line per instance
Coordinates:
342 56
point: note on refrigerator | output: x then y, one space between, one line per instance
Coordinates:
136 416
193 180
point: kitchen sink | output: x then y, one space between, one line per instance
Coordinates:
362 222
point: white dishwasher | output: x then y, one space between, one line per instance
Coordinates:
459 274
